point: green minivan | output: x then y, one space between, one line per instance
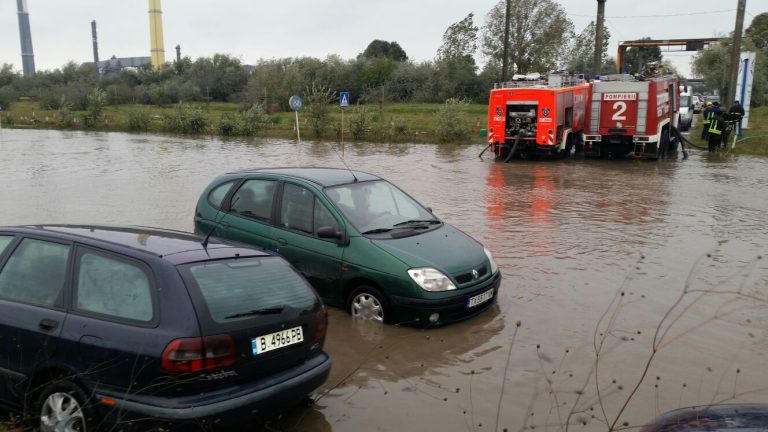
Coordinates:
365 245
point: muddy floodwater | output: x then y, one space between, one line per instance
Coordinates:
630 287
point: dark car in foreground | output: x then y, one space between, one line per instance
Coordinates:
364 244
712 418
140 327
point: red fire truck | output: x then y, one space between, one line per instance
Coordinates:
537 116
632 117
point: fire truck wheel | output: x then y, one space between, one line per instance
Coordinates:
664 144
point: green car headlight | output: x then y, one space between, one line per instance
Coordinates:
431 279
494 267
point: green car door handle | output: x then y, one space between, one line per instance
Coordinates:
282 241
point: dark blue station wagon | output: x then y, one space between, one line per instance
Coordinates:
132 326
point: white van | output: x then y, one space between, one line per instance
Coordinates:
685 118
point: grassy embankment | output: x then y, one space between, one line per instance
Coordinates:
755 139
413 122
391 122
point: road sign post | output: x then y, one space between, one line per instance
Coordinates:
295 103
343 105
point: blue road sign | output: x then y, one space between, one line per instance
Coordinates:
295 102
343 100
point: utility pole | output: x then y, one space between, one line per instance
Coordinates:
95 48
505 61
736 52
597 64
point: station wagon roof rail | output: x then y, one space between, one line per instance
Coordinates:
185 246
318 175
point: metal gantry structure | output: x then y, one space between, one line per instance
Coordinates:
684 44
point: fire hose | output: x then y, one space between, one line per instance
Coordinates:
683 140
509 156
514 147
484 150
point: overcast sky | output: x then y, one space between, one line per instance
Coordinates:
254 29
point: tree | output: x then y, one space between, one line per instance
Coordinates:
319 100
457 78
218 77
538 33
758 31
376 72
636 58
412 82
456 75
712 64
7 75
452 122
459 40
383 49
581 53
609 66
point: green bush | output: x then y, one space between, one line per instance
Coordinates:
451 122
66 118
230 125
8 118
7 96
186 120
360 121
319 101
138 120
254 120
94 108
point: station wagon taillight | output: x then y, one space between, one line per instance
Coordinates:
321 323
188 355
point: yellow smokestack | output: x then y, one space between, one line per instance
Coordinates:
156 34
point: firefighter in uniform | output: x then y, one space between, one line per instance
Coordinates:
715 131
705 114
737 113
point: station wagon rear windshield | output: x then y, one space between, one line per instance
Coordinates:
243 288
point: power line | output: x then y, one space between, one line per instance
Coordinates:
660 15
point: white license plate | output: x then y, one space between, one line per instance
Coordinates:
276 340
480 298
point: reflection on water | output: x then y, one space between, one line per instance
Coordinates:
577 240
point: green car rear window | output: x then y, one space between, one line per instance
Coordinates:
240 286
4 242
216 196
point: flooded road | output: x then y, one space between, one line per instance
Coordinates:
630 288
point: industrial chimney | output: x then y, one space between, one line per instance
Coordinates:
25 34
178 53
156 34
95 47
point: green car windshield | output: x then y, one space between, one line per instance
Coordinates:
378 206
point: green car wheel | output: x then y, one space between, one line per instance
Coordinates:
367 303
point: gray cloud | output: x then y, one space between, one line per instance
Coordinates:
259 29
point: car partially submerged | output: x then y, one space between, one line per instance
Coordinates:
106 327
708 418
364 244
